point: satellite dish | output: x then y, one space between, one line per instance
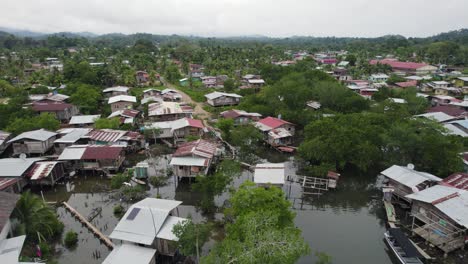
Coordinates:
410 166
22 156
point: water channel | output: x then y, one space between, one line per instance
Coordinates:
347 223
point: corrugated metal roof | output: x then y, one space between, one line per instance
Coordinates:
144 226
279 133
7 182
271 123
83 119
124 98
73 135
200 147
3 136
130 253
41 170
437 116
455 130
116 89
273 173
72 153
39 135
215 95
16 167
188 161
166 230
451 201
10 249
166 108
457 180
7 205
106 135
408 177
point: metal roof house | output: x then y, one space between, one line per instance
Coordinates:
68 137
222 99
13 173
62 111
83 120
130 253
114 91
405 181
46 172
121 102
93 157
194 158
150 223
269 174
33 142
177 129
440 216
277 132
168 111
7 205
241 117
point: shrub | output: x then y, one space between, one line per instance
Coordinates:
71 239
118 211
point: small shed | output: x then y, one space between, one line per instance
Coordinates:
269 174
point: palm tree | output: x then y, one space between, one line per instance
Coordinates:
36 218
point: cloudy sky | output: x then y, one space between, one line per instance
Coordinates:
279 18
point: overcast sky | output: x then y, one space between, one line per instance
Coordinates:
278 18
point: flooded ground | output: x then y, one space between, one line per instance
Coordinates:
347 223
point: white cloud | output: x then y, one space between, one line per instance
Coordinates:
239 17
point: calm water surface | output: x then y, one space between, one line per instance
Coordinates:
345 223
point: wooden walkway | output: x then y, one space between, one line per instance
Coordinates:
93 229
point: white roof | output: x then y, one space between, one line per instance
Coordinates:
451 201
15 167
10 249
166 229
83 119
39 135
151 99
422 95
398 100
215 95
414 78
465 79
256 81
379 75
278 133
273 173
440 82
124 98
73 135
116 89
454 130
188 161
164 108
72 153
463 103
437 116
144 220
130 253
408 177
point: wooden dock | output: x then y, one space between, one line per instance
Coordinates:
390 210
92 228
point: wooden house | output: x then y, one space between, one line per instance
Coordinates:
70 136
222 99
130 140
149 223
440 216
93 157
168 111
171 95
177 130
121 102
114 91
46 172
194 158
142 78
126 116
277 132
62 111
151 93
13 173
241 117
33 142
406 180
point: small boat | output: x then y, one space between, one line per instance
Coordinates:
401 246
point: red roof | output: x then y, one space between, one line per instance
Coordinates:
333 175
50 106
130 113
230 114
7 182
457 180
195 123
399 64
273 122
199 147
406 84
101 152
447 109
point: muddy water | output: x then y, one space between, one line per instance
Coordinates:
345 223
